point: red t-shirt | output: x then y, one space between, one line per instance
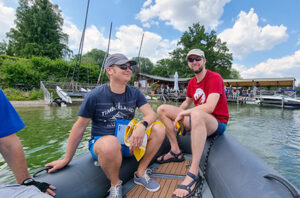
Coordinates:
211 83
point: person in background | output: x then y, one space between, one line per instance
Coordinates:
13 153
209 117
105 105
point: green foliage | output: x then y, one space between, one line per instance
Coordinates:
95 57
144 64
3 47
217 54
161 69
15 94
38 31
16 71
13 73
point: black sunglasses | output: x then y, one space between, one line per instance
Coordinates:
198 58
124 67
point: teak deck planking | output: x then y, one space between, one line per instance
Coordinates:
167 185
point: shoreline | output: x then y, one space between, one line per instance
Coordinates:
28 103
40 103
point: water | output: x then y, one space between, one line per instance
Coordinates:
271 133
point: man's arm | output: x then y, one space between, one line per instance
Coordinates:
208 107
12 150
187 103
138 134
73 142
13 153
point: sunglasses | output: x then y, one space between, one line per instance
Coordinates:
124 67
198 58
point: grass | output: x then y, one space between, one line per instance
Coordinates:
18 95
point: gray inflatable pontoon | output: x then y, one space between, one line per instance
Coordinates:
232 172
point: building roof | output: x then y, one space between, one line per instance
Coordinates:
164 78
263 82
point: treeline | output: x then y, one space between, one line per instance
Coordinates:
29 72
36 49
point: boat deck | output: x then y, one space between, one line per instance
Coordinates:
167 175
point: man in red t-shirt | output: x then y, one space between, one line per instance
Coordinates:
209 117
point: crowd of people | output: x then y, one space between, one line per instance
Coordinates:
236 92
108 105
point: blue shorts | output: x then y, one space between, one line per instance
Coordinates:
220 130
124 149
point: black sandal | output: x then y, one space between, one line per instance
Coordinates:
175 157
196 179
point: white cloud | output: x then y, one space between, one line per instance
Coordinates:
7 17
127 40
182 14
288 66
147 3
246 36
298 43
238 67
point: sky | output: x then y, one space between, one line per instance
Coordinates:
262 35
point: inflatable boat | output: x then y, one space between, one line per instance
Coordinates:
230 170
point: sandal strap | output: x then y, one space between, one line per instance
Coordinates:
163 157
184 187
193 176
176 155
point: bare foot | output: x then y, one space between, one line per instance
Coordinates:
182 192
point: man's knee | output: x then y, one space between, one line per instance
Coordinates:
198 116
158 132
162 109
107 147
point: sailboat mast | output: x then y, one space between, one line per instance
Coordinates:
106 54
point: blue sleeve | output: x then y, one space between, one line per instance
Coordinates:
88 106
141 99
10 121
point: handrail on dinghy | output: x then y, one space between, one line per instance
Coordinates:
284 182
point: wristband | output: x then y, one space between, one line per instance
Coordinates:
145 123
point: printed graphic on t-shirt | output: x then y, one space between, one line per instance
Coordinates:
199 94
108 116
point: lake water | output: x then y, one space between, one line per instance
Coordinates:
271 133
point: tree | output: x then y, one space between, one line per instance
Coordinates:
95 57
217 54
38 31
161 68
145 64
3 47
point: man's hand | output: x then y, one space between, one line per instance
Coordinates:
42 186
56 165
179 117
137 137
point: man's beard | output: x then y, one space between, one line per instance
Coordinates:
198 71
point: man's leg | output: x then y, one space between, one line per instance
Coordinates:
108 151
155 140
203 125
167 114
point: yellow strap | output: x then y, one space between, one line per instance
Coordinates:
139 152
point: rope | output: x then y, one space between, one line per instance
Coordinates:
199 191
